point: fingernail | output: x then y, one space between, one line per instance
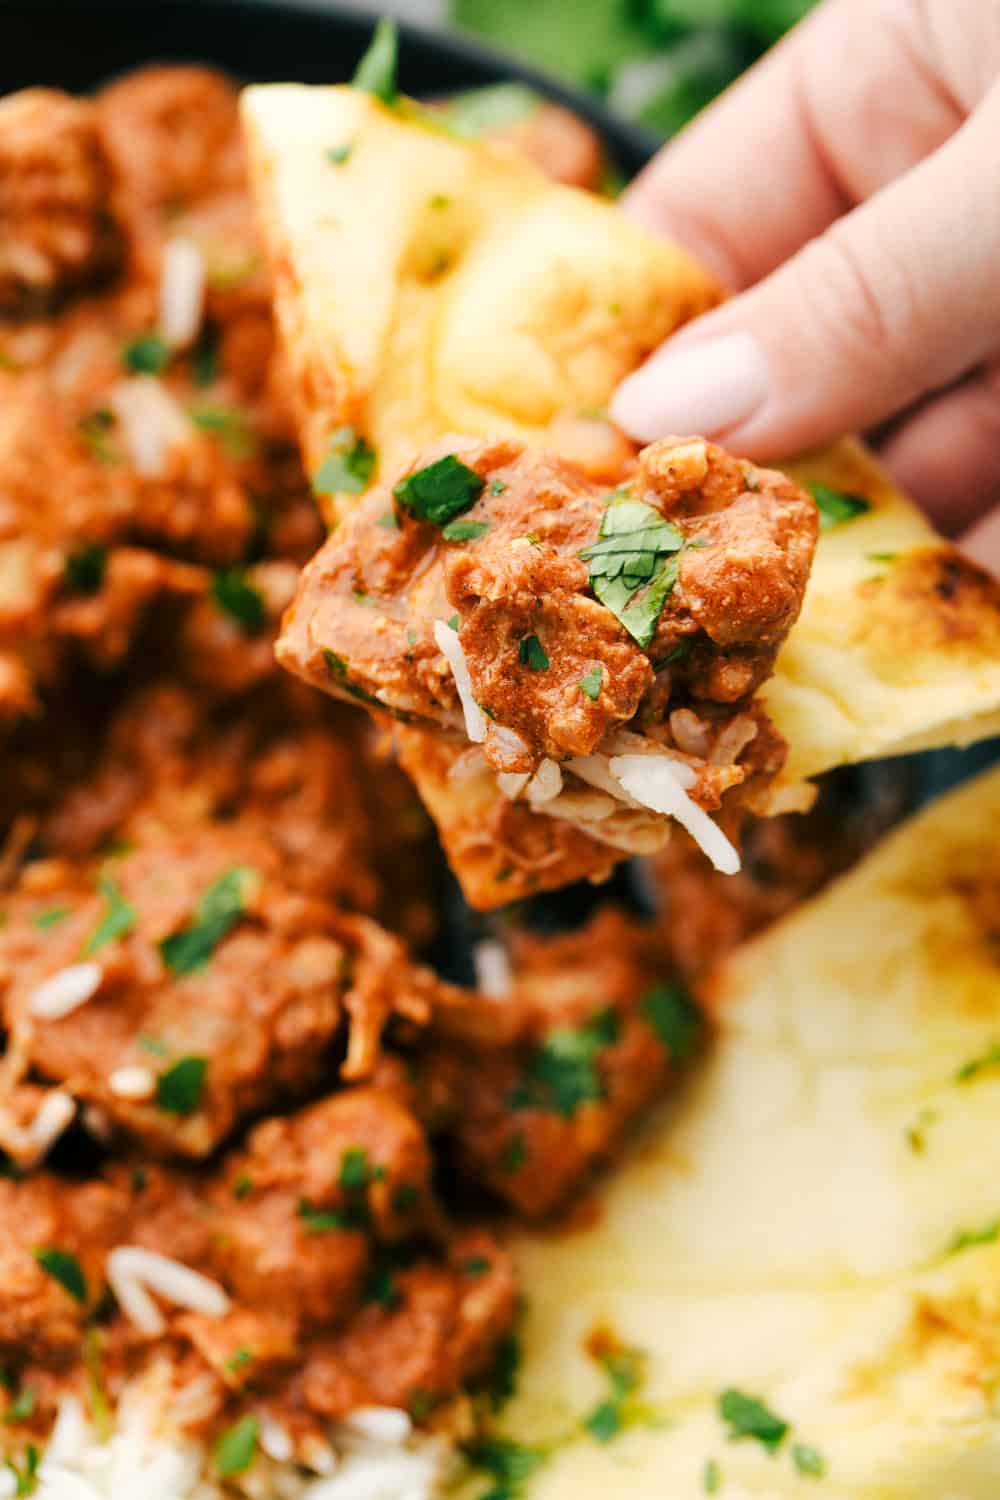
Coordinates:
706 389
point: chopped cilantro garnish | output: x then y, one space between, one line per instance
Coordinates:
118 918
475 1265
915 1133
148 355
748 1417
625 1369
85 567
479 111
497 486
562 1073
348 466
50 917
970 1239
376 72
179 1088
337 668
508 1463
405 1198
515 1153
531 653
238 1360
219 909
591 683
205 358
453 622
674 1017
882 557
26 1478
236 596
835 507
440 491
94 429
237 1447
242 1186
422 1403
711 1477
633 564
381 1287
320 1220
354 1168
337 155
604 1422
986 1062
65 1268
21 1408
389 521
807 1461
464 531
227 424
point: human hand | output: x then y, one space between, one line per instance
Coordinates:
846 189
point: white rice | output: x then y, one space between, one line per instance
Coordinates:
494 976
131 1270
182 292
545 785
661 784
451 649
151 420
132 1083
65 991
374 1456
28 1145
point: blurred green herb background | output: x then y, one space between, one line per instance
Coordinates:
655 61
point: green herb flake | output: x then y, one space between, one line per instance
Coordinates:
711 1477
986 1062
205 359
422 1403
238 1360
94 429
237 1447
21 1408
242 1187
464 531
337 155
478 112
440 491
971 1239
85 567
376 72
179 1088
50 917
26 1478
338 669
508 1463
633 564
117 920
405 1198
354 1168
348 466
882 557
218 911
63 1267
515 1153
453 623
809 1463
562 1074
388 521
604 1422
381 1287
674 1017
475 1265
236 596
836 507
497 486
228 425
148 355
748 1417
319 1220
592 682
153 1045
532 654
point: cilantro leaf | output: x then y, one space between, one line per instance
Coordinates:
440 491
348 466
237 597
354 1168
835 506
508 1463
94 429
515 1153
376 72
986 1062
674 1017
237 1447
591 683
562 1073
148 355
26 1479
633 564
119 917
809 1463
319 1220
604 1422
337 155
970 1239
85 567
65 1268
179 1088
711 1477
464 531
478 111
227 424
219 909
338 670
21 1408
531 653
748 1417
50 917
381 1287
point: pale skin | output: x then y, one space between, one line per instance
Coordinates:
847 191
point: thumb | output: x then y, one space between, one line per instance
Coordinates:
898 298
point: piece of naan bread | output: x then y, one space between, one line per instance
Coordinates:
793 1230
428 286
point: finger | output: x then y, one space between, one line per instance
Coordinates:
812 130
897 299
946 454
982 543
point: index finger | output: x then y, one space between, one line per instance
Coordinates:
844 105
